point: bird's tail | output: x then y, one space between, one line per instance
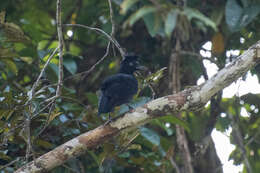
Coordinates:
103 104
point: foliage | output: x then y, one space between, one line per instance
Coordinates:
28 37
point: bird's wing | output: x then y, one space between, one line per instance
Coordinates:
119 84
116 79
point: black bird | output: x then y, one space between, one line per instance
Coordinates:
119 88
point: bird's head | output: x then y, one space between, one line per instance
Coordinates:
130 64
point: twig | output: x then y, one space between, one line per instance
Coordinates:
75 100
120 49
47 121
70 169
85 73
239 140
60 47
152 90
61 42
28 134
197 55
9 164
253 138
42 71
113 30
124 148
25 133
75 9
42 110
174 164
112 19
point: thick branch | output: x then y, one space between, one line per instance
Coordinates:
190 99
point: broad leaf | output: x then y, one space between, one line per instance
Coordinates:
150 135
139 14
11 65
153 23
126 5
174 120
171 21
70 64
194 13
238 17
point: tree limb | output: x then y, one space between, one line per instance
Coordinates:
190 99
61 44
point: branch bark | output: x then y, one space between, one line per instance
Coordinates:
190 99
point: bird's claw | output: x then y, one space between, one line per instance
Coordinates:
109 120
130 107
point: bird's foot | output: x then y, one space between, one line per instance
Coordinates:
130 107
109 120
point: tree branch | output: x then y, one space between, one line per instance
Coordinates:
120 49
61 43
190 99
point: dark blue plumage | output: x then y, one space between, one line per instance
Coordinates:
121 87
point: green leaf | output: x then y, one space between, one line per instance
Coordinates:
162 125
174 120
11 65
55 68
7 53
44 144
150 135
194 13
126 5
223 123
52 72
70 107
171 21
140 13
155 77
233 14
238 17
70 64
153 23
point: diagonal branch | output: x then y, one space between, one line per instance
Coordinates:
35 85
190 99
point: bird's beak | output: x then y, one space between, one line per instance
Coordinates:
141 68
